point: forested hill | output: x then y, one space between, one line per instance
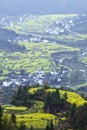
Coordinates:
18 7
44 108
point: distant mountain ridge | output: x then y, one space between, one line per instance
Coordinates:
18 7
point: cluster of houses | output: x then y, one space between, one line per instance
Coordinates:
8 86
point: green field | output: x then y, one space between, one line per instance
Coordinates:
37 55
37 24
12 109
37 120
72 37
84 60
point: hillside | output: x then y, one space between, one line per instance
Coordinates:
72 97
38 106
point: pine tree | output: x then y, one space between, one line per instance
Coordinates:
31 128
13 120
22 126
57 94
6 124
65 96
47 127
72 110
51 125
1 114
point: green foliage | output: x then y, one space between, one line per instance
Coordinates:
40 101
31 128
22 126
43 100
78 117
72 97
13 120
46 86
7 125
21 97
54 103
1 115
72 110
50 125
37 120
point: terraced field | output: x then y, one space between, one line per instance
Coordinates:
37 23
34 115
49 43
38 120
37 56
72 97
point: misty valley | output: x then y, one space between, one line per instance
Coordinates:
46 48
43 72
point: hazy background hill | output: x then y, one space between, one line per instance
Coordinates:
16 7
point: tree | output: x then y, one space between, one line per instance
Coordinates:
72 110
6 123
18 94
47 102
78 117
13 120
22 126
57 94
46 85
51 125
1 115
47 127
31 128
65 96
